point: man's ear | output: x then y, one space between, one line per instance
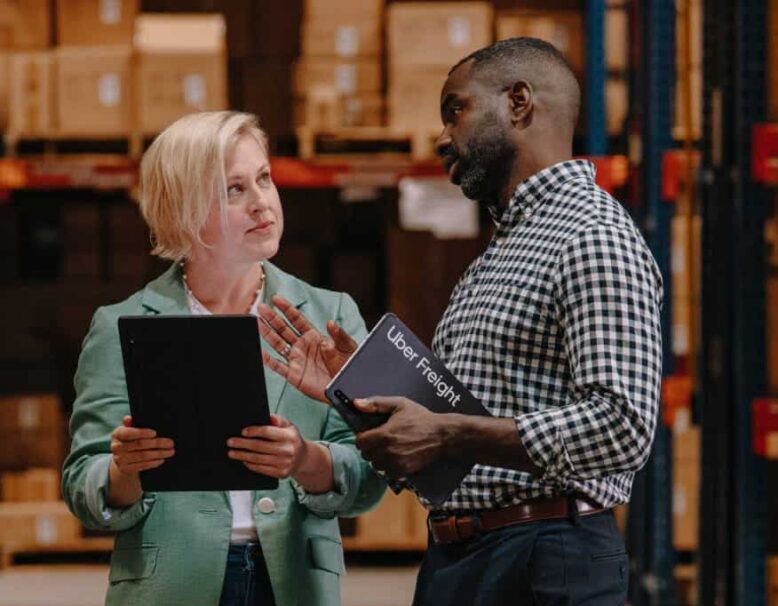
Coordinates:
521 99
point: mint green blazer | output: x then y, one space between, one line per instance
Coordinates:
171 548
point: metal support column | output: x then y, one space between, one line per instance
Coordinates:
596 138
650 527
733 517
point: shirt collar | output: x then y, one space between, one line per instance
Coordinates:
532 192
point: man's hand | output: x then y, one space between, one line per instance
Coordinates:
410 440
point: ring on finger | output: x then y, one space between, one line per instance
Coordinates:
285 351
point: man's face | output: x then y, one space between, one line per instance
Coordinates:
475 147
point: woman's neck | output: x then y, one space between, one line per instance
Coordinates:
224 288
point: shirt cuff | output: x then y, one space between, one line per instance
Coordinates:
342 493
96 490
541 433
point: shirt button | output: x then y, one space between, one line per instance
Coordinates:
266 505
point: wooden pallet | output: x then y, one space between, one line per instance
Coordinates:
20 144
92 545
419 145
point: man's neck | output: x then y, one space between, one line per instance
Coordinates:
529 164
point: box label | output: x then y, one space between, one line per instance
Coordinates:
346 41
346 78
459 31
29 414
110 11
194 91
45 530
109 90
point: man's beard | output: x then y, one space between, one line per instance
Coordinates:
485 162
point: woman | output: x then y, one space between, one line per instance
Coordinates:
207 194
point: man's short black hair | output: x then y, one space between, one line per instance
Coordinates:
515 50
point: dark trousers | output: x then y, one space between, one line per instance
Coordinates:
246 582
553 562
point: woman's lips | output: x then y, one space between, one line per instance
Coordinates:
260 227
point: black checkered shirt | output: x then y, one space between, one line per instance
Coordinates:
556 325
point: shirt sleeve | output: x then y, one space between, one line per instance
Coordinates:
607 299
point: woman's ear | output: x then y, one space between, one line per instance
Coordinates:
521 99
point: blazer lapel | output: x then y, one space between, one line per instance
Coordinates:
166 294
278 282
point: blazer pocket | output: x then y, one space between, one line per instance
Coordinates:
327 554
133 563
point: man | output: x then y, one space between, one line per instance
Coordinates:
554 328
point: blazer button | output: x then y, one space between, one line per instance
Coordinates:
266 505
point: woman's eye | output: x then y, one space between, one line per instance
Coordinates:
234 190
264 179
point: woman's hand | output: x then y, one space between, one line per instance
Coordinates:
312 359
279 451
133 449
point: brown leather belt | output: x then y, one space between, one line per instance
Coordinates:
455 528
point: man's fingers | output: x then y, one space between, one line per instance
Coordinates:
295 317
343 341
378 404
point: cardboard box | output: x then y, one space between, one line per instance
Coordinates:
31 90
36 485
562 28
96 22
94 86
398 522
32 524
5 76
437 33
332 111
344 77
361 9
616 37
181 67
413 98
616 104
32 432
341 37
772 581
686 484
25 24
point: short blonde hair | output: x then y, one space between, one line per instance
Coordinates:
182 171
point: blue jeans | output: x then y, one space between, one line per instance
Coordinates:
246 582
548 563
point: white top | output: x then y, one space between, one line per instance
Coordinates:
243 528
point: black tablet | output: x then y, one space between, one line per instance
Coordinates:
198 380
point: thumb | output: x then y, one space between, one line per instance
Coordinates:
384 406
277 421
343 341
127 421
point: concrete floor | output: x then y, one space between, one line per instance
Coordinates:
85 585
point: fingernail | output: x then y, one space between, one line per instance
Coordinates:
230 442
244 432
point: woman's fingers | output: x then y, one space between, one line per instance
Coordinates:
272 337
295 317
143 444
343 341
277 323
275 365
129 434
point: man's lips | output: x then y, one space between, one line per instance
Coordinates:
449 164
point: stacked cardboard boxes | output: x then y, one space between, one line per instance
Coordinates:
686 482
113 74
688 91
33 485
32 432
30 524
179 73
426 39
338 79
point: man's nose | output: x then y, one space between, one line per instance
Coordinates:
443 143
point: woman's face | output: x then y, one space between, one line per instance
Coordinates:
254 219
